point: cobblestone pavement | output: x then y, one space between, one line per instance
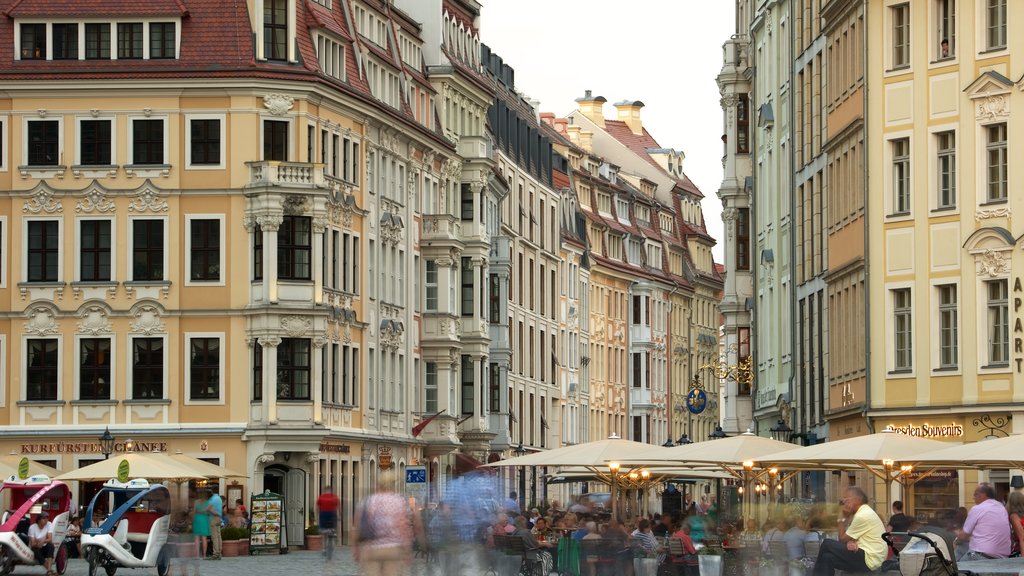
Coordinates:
296 563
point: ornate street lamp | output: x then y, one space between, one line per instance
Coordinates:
683 440
668 444
106 443
718 434
781 431
129 445
520 451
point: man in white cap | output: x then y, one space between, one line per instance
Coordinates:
40 539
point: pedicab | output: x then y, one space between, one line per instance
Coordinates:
134 535
28 498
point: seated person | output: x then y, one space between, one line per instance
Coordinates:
795 538
535 550
73 538
860 547
40 539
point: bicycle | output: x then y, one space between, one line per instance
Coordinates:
328 538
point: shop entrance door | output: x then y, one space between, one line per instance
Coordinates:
295 505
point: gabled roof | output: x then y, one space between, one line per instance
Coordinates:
92 8
641 145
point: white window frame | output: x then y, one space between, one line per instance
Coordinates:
188 250
428 285
60 243
24 141
78 245
3 370
223 141
77 393
933 169
982 31
130 144
187 368
4 258
890 177
936 353
984 364
129 373
78 140
260 55
936 34
130 273
890 331
982 163
987 325
60 364
290 151
890 34
4 129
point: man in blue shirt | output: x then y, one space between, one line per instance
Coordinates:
216 520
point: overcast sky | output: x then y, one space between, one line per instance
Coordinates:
666 53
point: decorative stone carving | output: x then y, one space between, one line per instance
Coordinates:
265 458
312 458
319 224
993 108
270 222
728 103
95 200
728 216
993 264
319 342
295 326
295 205
147 321
993 213
94 321
278 104
42 201
269 341
452 169
249 222
41 321
390 337
149 200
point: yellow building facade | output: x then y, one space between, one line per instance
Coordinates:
945 286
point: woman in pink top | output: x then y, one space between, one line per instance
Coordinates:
683 534
384 529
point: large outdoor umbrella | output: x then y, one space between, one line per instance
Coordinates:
592 455
9 467
151 466
736 455
888 455
1005 452
209 470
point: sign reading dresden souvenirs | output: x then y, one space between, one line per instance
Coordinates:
89 447
696 401
927 430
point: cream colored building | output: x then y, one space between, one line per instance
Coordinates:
946 274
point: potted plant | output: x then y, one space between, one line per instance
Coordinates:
768 566
709 558
232 538
314 540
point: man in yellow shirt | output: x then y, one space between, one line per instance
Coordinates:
860 547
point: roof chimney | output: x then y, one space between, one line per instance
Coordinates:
629 112
592 107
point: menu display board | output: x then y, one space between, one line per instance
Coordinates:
266 519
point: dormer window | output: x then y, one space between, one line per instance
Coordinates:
33 41
62 40
275 29
129 40
97 41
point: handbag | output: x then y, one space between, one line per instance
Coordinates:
366 531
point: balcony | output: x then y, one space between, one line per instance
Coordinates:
640 400
475 147
500 250
639 334
288 174
440 329
441 228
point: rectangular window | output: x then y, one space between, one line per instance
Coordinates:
901 176
41 375
431 286
94 247
995 150
129 40
43 250
494 295
467 287
275 29
466 372
900 35
275 140
94 369
494 388
903 327
295 248
998 323
147 141
65 41
161 40
638 369
948 327
205 250
97 41
257 371
743 124
995 37
43 142
947 169
257 253
204 145
95 142
204 368
293 369
148 250
945 13
33 41
466 203
743 239
147 368
430 387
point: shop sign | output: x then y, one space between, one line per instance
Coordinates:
1018 327
89 447
696 401
927 430
334 448
384 461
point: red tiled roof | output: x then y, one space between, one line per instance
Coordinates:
75 8
321 17
560 179
640 144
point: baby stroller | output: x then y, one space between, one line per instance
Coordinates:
927 552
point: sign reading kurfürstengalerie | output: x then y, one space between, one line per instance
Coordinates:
89 447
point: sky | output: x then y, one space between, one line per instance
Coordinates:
665 53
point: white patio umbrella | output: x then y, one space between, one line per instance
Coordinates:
1005 452
9 467
151 466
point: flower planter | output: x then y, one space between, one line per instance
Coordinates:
231 548
314 542
243 549
710 564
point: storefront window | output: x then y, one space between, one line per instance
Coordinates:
935 495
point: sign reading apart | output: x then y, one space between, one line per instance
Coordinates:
927 430
1018 326
267 517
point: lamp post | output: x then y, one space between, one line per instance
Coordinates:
106 443
613 468
683 440
520 451
781 431
718 434
668 444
